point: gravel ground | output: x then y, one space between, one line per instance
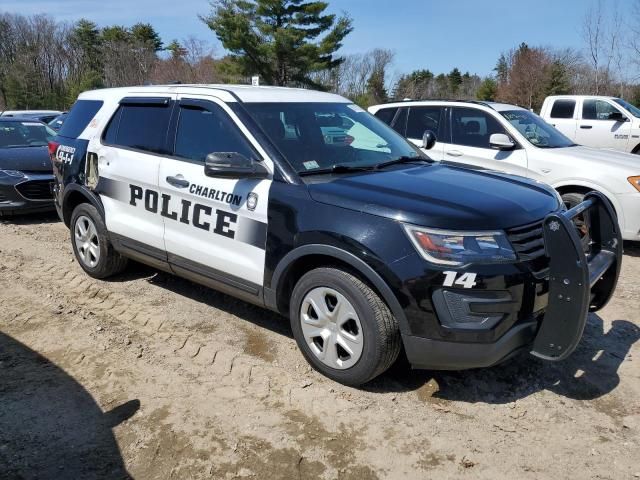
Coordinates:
150 376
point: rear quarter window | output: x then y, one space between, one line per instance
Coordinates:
563 109
79 117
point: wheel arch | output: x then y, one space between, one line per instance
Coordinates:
74 196
305 258
579 186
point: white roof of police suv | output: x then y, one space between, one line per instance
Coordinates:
227 93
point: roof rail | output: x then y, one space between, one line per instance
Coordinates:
477 102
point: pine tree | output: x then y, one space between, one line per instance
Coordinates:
487 90
147 35
283 41
455 80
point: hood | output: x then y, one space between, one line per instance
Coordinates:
441 196
25 159
626 162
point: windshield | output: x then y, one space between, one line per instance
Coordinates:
635 111
24 134
318 136
537 132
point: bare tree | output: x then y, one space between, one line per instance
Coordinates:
602 31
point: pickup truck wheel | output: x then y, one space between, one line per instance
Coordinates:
91 245
343 328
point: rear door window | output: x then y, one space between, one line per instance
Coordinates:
563 108
422 119
79 117
140 127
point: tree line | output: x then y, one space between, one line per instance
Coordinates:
45 63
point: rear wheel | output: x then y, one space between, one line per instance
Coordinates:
343 328
91 244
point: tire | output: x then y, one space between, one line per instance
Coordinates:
94 252
360 320
571 200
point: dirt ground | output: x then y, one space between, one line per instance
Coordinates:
148 376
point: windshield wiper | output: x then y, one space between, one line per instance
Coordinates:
403 159
338 168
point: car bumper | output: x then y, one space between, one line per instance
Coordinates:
630 206
544 314
28 194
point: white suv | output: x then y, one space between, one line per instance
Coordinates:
600 122
507 138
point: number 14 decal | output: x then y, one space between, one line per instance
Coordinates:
466 280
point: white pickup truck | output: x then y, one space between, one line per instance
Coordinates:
595 121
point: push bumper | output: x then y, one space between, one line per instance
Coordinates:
579 282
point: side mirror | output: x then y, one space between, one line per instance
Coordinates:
233 165
618 117
428 140
501 141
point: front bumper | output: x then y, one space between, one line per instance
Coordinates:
629 204
28 194
551 326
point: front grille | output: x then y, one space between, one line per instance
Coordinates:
36 189
528 242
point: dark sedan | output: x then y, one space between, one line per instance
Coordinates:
26 175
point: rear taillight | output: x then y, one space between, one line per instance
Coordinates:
53 148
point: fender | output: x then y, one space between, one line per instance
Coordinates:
75 189
586 184
356 263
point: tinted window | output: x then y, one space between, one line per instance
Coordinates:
400 122
143 127
204 131
79 117
597 110
473 128
387 114
563 109
422 119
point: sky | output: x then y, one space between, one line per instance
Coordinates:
434 34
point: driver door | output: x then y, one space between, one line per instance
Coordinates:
213 227
596 130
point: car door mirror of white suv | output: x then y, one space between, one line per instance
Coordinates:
428 140
233 165
501 141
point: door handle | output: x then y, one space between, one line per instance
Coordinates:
178 181
586 127
454 153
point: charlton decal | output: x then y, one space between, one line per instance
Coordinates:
190 213
213 194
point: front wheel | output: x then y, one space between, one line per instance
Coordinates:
91 244
343 328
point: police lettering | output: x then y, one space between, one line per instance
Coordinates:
196 214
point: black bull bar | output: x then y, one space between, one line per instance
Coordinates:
581 279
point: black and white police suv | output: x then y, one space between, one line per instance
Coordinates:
302 202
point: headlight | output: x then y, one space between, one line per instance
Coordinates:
460 248
635 181
11 173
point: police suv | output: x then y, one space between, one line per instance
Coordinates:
302 202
